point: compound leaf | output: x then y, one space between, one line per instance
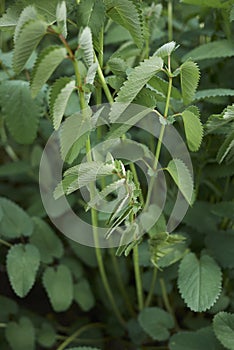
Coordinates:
28 39
223 324
59 287
189 76
22 264
199 281
193 128
182 177
45 65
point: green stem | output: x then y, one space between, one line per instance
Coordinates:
77 333
152 287
121 284
9 245
167 302
102 271
83 104
170 20
138 280
103 83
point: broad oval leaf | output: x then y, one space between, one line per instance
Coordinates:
45 65
203 339
15 221
22 264
223 324
46 335
21 112
28 39
166 49
156 322
189 77
59 97
83 295
182 178
59 287
46 241
193 128
137 79
21 335
199 281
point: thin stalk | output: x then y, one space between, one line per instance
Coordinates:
77 333
2 241
121 285
103 83
152 287
138 280
167 302
170 20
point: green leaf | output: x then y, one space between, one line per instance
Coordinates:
14 168
21 112
47 62
205 94
189 76
9 20
224 209
83 348
46 241
73 129
199 281
8 308
59 287
182 178
22 264
125 13
202 339
215 49
61 18
193 128
46 335
226 148
29 13
83 295
232 14
161 86
59 97
137 79
156 322
91 13
86 44
208 3
105 192
21 335
15 221
166 49
223 324
28 39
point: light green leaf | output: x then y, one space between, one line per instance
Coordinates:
226 148
46 335
73 129
28 39
29 13
91 13
83 295
21 335
232 14
86 44
205 94
125 13
215 49
9 19
223 324
47 62
15 221
105 192
137 79
182 178
59 287
47 242
165 50
21 112
193 128
156 322
22 264
199 281
189 76
208 3
161 86
61 17
59 97
203 339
